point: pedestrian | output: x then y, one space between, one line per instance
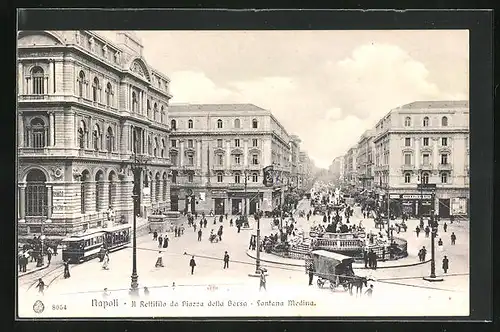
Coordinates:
146 291
445 264
49 255
66 269
251 243
231 222
219 233
445 226
365 258
453 238
201 223
176 231
420 255
226 260
40 286
226 216
440 244
215 220
369 291
160 241
374 260
383 254
221 218
165 242
417 230
192 263
159 260
239 227
155 235
424 253
105 264
205 223
199 234
311 273
262 281
427 231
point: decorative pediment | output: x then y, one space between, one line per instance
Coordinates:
139 67
444 149
174 150
254 150
38 38
408 149
219 151
236 151
189 151
425 149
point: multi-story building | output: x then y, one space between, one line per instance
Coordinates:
306 171
88 110
337 169
294 160
351 168
364 159
424 142
218 152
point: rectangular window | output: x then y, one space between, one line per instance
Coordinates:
425 159
220 160
255 142
426 141
237 159
407 158
237 143
190 143
444 159
255 159
173 160
219 143
407 141
190 160
444 141
173 143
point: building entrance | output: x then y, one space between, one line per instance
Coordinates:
219 206
444 207
190 206
236 206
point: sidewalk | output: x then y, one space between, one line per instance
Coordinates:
274 259
33 270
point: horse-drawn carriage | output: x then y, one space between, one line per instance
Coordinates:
332 269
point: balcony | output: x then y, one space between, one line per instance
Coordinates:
219 167
426 167
408 168
236 167
445 167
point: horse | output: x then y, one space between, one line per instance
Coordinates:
357 282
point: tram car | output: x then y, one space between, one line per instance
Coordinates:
332 269
82 247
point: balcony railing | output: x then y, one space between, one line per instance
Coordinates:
445 167
407 167
219 167
236 166
426 166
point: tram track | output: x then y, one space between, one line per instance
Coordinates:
48 275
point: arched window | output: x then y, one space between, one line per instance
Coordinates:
148 109
174 176
155 110
96 138
109 94
162 148
426 122
220 177
165 182
37 76
407 177
111 189
237 123
190 124
36 193
255 177
173 124
95 89
190 177
110 140
37 133
255 123
219 123
237 178
81 82
407 121
444 121
444 177
82 135
425 178
134 102
155 149
99 191
150 146
162 115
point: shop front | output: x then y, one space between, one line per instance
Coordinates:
411 204
219 197
174 200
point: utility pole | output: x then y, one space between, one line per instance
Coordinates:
432 277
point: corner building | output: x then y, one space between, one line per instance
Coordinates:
215 147
424 142
87 108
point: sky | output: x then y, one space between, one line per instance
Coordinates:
327 87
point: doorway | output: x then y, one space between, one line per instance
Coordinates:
219 206
254 204
190 206
236 206
174 203
444 207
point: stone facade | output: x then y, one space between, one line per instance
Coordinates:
365 160
214 147
87 108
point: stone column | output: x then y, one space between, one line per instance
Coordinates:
228 154
435 158
198 153
181 152
90 205
20 85
51 76
27 90
245 152
20 132
75 131
417 153
104 202
51 129
49 201
22 201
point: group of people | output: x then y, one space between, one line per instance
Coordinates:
370 259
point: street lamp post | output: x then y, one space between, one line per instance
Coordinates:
245 173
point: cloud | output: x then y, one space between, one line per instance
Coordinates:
333 114
196 87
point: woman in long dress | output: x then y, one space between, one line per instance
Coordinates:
105 264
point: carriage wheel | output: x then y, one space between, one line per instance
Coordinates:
333 285
320 283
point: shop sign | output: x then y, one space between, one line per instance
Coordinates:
416 196
394 196
218 193
458 206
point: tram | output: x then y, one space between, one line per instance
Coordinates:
79 248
